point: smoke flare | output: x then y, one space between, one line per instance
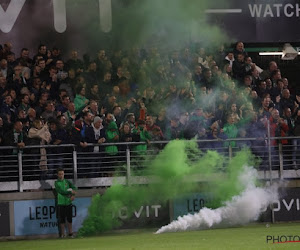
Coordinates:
176 171
241 209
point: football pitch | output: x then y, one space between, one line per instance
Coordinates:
255 236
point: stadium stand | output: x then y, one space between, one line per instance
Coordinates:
141 97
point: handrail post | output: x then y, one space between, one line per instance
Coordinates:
230 151
270 167
75 165
128 174
269 151
20 166
280 160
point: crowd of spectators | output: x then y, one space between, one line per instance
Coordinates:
142 95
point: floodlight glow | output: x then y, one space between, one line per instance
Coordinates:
271 53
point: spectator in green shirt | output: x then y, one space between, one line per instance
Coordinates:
80 100
230 130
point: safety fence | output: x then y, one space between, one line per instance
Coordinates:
29 169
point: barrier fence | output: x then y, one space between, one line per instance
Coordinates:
28 169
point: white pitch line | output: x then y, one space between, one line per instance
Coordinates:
220 11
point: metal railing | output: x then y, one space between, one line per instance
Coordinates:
92 167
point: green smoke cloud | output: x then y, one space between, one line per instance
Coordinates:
169 23
172 173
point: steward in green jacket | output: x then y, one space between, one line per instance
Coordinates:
65 191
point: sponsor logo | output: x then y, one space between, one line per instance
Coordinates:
263 10
39 216
293 204
195 205
46 213
274 10
9 16
142 212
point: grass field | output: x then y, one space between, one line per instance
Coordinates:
247 237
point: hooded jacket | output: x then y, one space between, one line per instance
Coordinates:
111 133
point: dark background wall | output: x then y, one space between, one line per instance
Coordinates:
168 24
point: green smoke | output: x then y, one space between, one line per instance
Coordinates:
223 187
169 23
172 172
